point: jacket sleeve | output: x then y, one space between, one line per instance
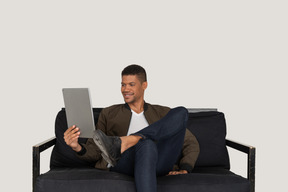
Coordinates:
190 152
90 152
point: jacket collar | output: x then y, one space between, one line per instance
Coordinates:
145 106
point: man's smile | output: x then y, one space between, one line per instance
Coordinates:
128 94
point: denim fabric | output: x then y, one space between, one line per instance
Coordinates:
157 152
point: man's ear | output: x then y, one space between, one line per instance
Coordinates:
144 85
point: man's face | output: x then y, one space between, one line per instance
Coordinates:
132 89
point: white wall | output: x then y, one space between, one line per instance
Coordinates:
225 54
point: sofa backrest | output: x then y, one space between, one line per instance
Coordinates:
209 128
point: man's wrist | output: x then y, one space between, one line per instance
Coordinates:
186 166
82 151
78 148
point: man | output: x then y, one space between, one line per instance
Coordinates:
143 140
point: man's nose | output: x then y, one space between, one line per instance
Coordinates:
126 88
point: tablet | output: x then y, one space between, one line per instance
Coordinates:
79 110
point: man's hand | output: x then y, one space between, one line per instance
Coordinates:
71 136
177 172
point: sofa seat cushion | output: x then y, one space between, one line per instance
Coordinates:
90 179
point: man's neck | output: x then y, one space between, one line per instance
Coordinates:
137 107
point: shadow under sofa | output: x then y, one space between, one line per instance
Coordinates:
211 173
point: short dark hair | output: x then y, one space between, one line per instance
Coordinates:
135 70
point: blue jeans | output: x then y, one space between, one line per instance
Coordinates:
158 151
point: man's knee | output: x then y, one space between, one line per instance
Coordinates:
145 144
147 147
182 112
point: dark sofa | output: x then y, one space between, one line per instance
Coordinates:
211 173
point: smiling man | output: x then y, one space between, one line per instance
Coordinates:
137 138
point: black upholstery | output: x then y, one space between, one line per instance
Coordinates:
210 130
85 179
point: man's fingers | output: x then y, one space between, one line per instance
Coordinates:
69 130
75 130
171 173
72 139
177 172
71 135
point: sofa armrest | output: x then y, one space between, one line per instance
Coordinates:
37 149
250 151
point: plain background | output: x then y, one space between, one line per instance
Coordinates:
230 55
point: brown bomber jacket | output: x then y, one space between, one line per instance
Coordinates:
115 120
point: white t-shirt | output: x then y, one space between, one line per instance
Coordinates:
138 122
